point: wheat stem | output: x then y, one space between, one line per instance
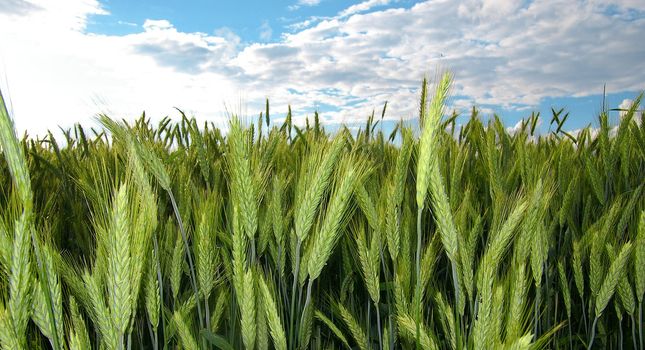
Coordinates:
153 336
417 293
191 266
620 334
569 328
160 281
634 331
378 325
593 333
208 313
293 293
640 324
56 343
307 305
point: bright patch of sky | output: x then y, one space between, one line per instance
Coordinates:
64 61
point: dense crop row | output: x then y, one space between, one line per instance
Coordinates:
274 236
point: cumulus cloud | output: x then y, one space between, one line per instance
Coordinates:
60 75
627 104
185 52
54 15
503 53
489 9
622 4
17 7
515 128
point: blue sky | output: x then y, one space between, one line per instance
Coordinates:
248 19
64 61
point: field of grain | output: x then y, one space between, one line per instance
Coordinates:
179 235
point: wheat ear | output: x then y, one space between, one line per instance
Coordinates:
352 171
39 305
186 336
408 328
20 281
247 311
119 262
273 317
354 328
79 339
609 285
425 164
611 279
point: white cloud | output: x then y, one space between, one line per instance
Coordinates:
56 15
515 128
301 3
511 54
17 7
308 2
126 23
623 4
265 31
626 105
160 24
58 77
362 7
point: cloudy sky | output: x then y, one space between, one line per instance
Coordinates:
64 61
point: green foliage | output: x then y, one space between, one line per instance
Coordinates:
302 239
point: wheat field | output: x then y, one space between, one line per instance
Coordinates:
177 235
